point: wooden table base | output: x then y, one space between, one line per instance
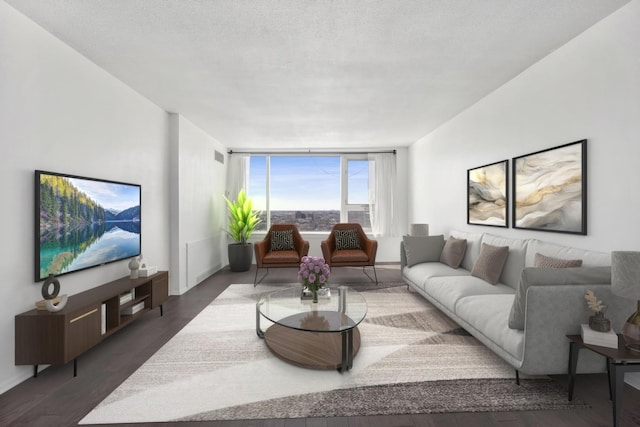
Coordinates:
316 350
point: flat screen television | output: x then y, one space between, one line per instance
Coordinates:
83 222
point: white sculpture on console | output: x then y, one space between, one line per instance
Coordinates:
134 266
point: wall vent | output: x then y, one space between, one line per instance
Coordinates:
219 157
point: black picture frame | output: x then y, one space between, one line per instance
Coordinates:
488 195
550 189
102 223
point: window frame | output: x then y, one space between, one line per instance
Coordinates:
345 206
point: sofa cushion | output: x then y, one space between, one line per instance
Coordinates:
282 240
422 248
449 290
420 273
473 247
489 315
542 261
589 258
490 263
453 252
515 260
347 239
552 276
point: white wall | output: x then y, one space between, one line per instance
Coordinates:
589 88
62 113
198 208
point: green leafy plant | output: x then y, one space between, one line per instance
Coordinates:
242 218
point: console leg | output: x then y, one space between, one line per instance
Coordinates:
573 364
609 363
75 367
161 311
35 371
517 377
618 385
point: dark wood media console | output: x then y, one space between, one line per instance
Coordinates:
89 317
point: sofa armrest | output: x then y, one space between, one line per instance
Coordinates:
551 313
403 256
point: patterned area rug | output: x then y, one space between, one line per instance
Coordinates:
412 359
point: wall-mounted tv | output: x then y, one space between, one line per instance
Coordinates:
83 222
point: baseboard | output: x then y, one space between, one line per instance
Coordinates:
633 379
23 374
208 273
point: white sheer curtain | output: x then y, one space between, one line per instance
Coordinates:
381 193
237 174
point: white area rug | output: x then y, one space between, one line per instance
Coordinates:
412 359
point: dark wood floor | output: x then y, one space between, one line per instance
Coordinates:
56 398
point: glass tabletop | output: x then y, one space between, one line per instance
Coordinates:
343 309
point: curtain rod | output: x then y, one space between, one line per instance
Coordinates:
266 153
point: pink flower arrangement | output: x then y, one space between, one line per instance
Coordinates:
313 273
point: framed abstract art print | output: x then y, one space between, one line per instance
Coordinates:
550 189
487 195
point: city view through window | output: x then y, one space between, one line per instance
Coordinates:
306 190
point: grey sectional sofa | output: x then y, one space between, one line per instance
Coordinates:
549 304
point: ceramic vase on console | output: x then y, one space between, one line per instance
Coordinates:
134 266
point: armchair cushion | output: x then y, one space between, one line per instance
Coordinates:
282 240
347 239
349 255
275 258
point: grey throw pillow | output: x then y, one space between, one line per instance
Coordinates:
490 263
532 276
453 252
347 239
282 240
543 261
422 248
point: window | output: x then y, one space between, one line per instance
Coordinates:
308 190
356 188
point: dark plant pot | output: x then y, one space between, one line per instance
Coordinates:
240 256
599 323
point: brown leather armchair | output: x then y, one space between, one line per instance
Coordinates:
344 254
286 255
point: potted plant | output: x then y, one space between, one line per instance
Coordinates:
242 222
597 322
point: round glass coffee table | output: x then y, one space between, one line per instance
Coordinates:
322 335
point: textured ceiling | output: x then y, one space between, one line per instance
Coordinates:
303 74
